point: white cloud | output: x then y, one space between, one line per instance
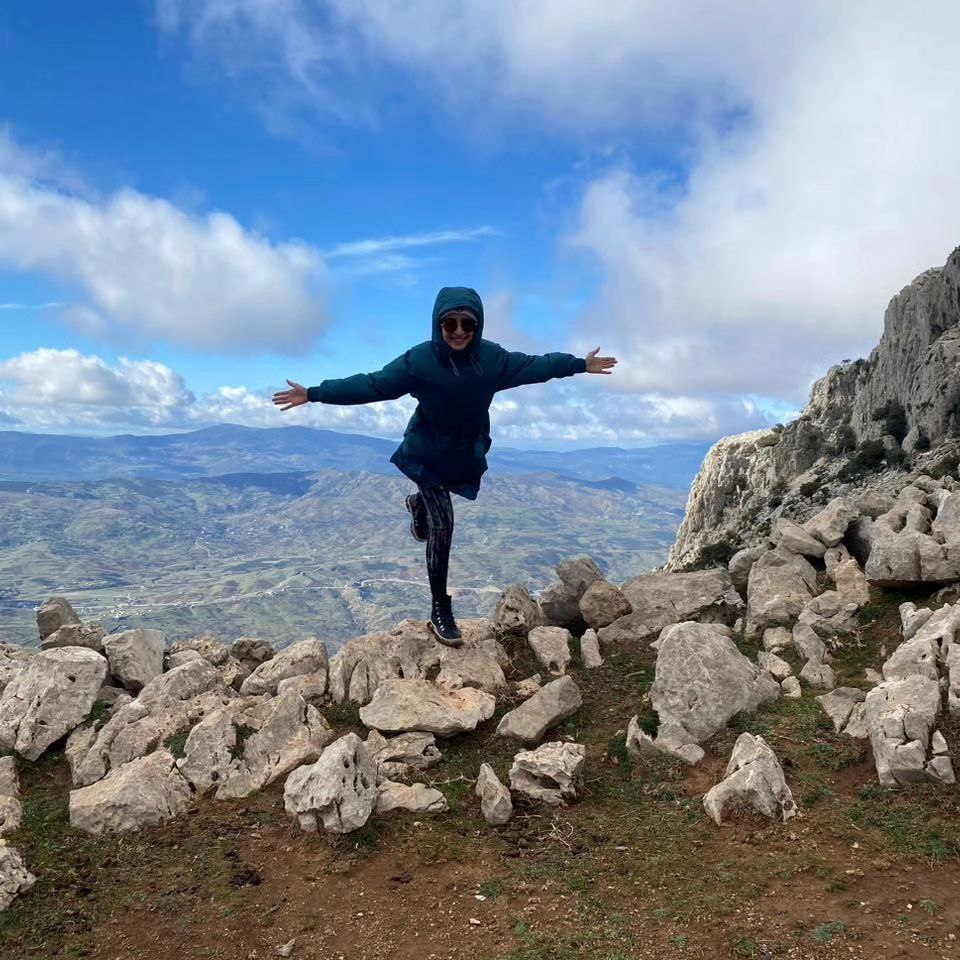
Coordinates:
386 245
48 389
150 271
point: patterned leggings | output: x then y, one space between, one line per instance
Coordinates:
439 509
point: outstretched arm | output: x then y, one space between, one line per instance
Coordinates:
520 368
393 381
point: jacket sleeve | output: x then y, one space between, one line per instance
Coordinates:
394 380
517 369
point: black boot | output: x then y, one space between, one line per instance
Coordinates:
444 626
418 517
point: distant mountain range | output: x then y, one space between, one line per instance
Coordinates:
288 532
230 449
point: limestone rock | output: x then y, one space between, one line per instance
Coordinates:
553 773
475 664
912 618
839 704
48 698
778 668
900 717
780 584
808 644
702 680
795 539
551 705
306 657
402 705
339 791
529 686
287 732
402 756
856 726
142 793
819 675
790 687
409 650
753 778
517 612
11 812
496 805
75 635
602 603
15 878
672 740
55 613
577 573
559 608
739 566
831 523
310 686
168 704
251 652
660 599
917 656
776 639
13 659
590 650
207 646
135 656
415 797
552 647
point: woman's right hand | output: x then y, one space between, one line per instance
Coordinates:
294 397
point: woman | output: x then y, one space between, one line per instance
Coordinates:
454 376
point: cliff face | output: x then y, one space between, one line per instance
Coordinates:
880 417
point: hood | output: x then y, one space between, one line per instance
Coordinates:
453 298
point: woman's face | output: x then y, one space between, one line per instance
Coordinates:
458 339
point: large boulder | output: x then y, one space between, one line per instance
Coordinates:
135 656
780 583
15 878
702 680
708 596
740 565
168 704
477 663
545 709
142 793
553 773
75 635
900 717
13 659
402 705
602 603
795 539
48 698
299 659
339 791
55 613
577 573
831 523
517 612
754 778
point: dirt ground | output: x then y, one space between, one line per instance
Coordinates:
634 870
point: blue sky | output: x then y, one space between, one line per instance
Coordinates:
200 199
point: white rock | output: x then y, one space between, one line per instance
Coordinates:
207 646
339 791
912 618
76 635
15 878
551 705
415 797
602 603
306 657
48 698
403 755
528 687
919 655
820 676
754 778
831 523
808 644
552 647
135 656
143 793
776 639
590 650
778 668
517 612
55 613
780 583
795 538
791 688
496 804
839 704
475 664
11 812
553 773
672 740
401 705
703 680
857 724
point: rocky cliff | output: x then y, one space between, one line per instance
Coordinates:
867 422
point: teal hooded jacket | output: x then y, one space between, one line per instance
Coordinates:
448 436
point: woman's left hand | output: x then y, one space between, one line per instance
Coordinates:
597 364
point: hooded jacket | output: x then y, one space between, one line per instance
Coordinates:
448 436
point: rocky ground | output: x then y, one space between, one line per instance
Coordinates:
634 868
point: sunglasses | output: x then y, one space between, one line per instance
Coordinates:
466 324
